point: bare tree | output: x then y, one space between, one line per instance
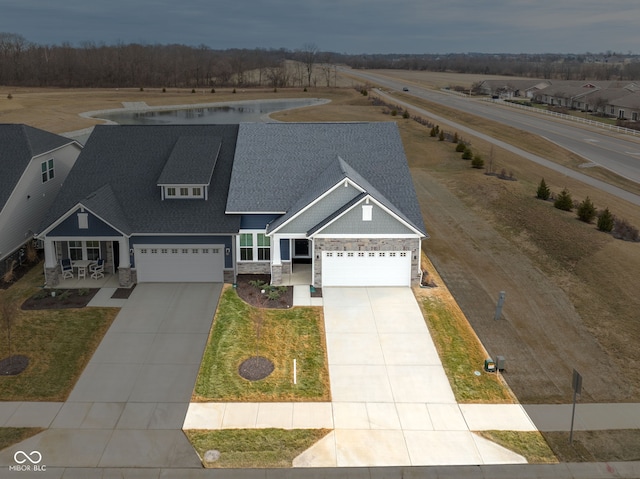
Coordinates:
309 56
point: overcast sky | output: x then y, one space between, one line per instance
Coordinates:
344 26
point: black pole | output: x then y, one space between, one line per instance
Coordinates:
573 415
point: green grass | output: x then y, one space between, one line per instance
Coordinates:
296 333
13 435
596 446
461 354
58 343
244 448
529 444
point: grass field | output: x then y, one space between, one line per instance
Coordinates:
285 335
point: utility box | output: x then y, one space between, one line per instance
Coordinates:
500 362
489 365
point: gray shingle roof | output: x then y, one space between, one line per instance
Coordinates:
191 161
18 145
278 166
130 159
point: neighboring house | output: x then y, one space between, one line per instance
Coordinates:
208 202
33 165
511 88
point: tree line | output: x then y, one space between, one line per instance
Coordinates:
24 63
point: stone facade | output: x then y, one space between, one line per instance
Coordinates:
126 277
366 244
254 268
52 276
277 272
229 276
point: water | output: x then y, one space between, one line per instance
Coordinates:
232 113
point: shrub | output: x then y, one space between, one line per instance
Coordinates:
213 90
433 133
467 154
9 96
234 90
586 211
394 112
441 136
460 147
141 89
164 90
477 162
455 138
624 231
193 90
543 192
606 221
304 89
83 291
563 201
405 115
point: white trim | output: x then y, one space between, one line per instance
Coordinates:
342 183
381 206
370 236
254 212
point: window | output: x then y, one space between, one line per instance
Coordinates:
184 191
185 251
47 170
164 250
246 247
75 250
194 251
174 250
254 247
93 250
264 247
197 192
171 191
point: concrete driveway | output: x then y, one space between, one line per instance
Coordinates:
128 407
392 402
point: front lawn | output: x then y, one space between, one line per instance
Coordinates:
249 448
58 343
285 335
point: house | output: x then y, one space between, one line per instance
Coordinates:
194 203
34 164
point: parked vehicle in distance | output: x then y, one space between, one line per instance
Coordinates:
405 89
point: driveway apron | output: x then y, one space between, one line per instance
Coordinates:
128 406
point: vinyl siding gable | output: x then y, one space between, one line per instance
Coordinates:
351 223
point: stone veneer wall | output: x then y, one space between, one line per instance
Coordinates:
228 276
366 244
254 268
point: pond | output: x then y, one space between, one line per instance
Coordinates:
223 113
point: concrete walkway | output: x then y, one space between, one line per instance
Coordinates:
128 406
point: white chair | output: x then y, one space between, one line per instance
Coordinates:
97 270
67 268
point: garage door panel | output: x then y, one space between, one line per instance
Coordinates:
366 268
179 263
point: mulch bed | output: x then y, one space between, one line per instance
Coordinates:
13 365
255 368
254 297
64 299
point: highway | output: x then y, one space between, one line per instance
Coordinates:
614 152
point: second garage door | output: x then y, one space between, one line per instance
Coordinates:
179 263
366 268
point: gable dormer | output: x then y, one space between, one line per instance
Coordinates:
188 171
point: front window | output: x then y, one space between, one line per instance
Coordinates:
93 250
171 191
184 191
47 170
264 247
246 246
75 250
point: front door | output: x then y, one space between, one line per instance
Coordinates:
301 248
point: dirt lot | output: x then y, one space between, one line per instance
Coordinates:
571 292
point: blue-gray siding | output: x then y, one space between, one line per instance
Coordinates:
256 222
381 223
69 227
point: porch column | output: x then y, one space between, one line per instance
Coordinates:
275 243
50 255
125 258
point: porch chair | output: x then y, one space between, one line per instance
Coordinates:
67 268
97 270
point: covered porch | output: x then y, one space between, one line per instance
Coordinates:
292 260
83 254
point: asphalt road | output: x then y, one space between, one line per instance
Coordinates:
614 152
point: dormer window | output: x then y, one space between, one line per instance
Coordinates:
184 192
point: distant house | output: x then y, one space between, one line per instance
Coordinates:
33 165
511 88
205 203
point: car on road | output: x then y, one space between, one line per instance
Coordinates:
405 89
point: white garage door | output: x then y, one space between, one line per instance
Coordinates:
179 263
366 268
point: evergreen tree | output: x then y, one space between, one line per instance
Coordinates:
467 154
605 221
586 211
564 201
543 191
477 162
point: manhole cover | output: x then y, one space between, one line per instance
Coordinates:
255 368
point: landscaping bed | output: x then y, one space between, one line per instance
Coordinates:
246 289
59 299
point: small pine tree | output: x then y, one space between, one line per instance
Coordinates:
234 90
460 147
164 90
543 192
441 136
477 162
606 221
213 90
467 154
405 114
586 210
563 201
193 90
433 132
455 138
